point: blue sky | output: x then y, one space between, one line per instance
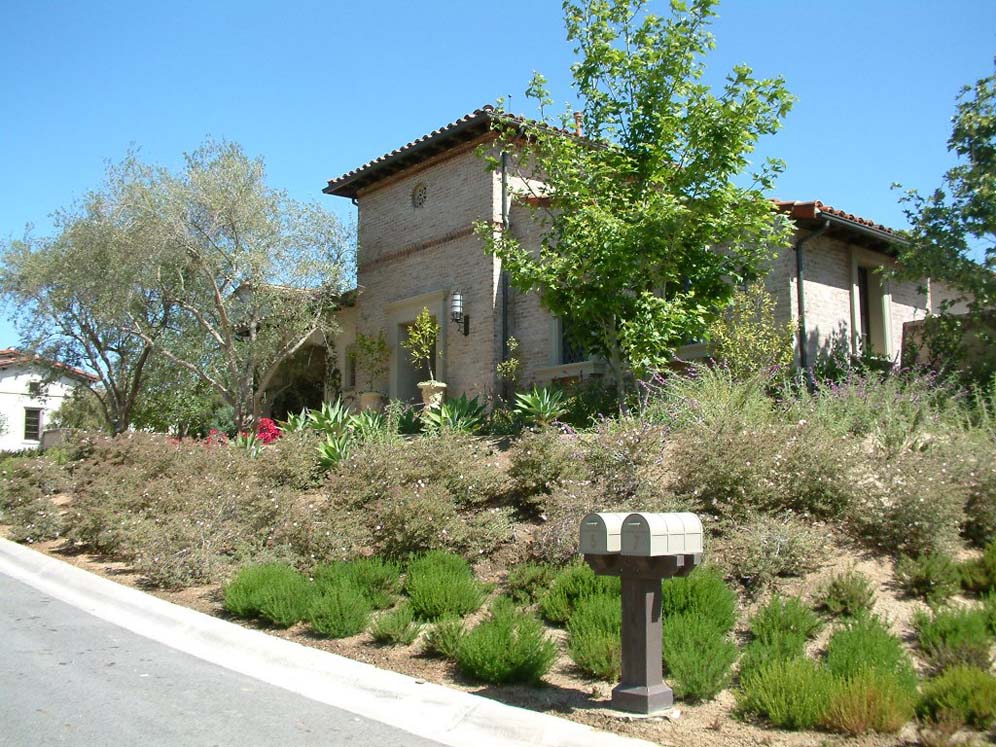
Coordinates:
317 88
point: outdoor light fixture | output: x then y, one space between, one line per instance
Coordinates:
456 311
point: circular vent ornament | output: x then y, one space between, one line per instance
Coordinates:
419 195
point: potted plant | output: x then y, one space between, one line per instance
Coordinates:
371 355
421 347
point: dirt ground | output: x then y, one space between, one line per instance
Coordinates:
569 693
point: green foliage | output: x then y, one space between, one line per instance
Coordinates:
527 583
980 508
538 461
760 550
445 636
933 577
848 594
371 354
460 415
397 627
953 636
759 653
335 448
331 420
377 579
338 610
704 592
421 341
790 693
508 369
541 406
697 655
747 339
594 630
784 617
570 587
510 646
870 701
272 591
249 443
655 279
441 584
865 643
979 574
963 694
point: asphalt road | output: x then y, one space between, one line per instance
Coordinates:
67 677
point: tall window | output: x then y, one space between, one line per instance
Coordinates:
32 423
570 351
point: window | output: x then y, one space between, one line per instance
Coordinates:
32 423
569 351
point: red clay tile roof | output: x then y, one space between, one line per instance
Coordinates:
13 356
814 209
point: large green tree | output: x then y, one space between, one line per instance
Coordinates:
953 229
650 219
251 275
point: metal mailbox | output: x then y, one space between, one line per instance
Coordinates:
652 535
600 533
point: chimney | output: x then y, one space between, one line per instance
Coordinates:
577 124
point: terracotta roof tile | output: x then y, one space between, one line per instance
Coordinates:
13 356
813 209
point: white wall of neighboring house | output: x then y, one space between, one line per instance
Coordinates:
18 397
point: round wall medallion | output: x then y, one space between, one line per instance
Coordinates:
419 195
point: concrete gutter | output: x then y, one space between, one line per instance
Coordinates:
427 710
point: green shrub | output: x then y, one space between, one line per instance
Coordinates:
572 585
764 548
378 579
760 653
784 617
339 610
537 462
455 415
697 655
870 701
978 575
440 584
953 636
933 577
979 470
528 582
791 693
962 694
396 627
445 636
848 594
594 630
703 591
865 644
509 646
275 592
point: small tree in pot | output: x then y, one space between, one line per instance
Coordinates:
421 347
371 355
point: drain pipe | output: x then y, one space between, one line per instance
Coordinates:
800 275
504 274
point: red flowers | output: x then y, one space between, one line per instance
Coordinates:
267 431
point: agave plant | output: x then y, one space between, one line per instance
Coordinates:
542 406
367 425
334 449
296 422
248 442
333 418
461 414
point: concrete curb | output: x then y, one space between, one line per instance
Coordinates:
427 710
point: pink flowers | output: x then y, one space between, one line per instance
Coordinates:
267 431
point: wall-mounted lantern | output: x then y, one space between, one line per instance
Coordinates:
456 311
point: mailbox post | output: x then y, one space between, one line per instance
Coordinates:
642 549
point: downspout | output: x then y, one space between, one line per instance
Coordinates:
504 275
800 282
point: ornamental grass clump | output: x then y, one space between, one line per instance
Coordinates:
445 636
440 584
594 641
272 591
933 577
703 591
510 646
963 695
870 701
571 586
338 610
866 644
528 582
379 580
791 693
396 627
784 617
848 594
954 636
698 656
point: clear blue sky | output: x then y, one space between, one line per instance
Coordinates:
317 88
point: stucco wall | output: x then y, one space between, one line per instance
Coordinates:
14 398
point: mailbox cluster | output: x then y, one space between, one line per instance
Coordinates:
642 549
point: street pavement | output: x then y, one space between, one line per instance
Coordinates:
67 677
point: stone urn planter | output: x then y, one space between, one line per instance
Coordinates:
433 393
371 401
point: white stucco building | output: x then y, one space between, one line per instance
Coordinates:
31 390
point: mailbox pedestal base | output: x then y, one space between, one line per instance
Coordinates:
639 699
